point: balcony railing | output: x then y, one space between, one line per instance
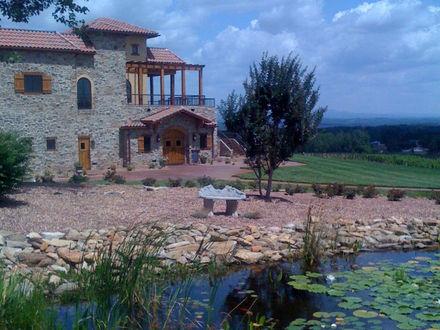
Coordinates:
188 100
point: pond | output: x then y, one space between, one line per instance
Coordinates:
377 290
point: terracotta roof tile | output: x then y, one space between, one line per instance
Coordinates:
43 40
162 55
171 111
115 26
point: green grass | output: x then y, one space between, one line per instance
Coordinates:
356 172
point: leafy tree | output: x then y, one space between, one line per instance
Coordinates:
278 114
229 109
14 158
64 11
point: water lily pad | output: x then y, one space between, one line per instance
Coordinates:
362 313
320 315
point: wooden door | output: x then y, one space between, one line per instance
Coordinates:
84 152
174 147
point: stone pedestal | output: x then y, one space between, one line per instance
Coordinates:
208 206
231 208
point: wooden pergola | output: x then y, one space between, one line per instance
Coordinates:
151 70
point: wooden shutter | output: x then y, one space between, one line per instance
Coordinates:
209 141
19 82
140 144
47 84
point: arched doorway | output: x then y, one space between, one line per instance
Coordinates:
174 146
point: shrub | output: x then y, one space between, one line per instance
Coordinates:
203 159
369 192
252 215
276 187
130 167
313 248
175 182
318 190
149 182
205 181
190 184
253 185
78 178
395 195
46 177
350 193
300 189
14 158
238 185
290 190
436 196
335 189
219 184
118 179
110 174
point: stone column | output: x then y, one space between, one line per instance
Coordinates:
231 208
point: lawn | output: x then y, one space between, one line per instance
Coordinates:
356 172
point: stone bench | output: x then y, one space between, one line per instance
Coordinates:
229 194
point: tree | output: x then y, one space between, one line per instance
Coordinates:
278 114
229 109
64 11
14 158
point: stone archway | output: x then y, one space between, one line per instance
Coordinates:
174 146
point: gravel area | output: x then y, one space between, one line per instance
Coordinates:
54 208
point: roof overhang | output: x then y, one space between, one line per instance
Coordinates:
165 114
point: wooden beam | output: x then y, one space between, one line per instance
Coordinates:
172 87
201 87
162 86
140 86
151 90
183 85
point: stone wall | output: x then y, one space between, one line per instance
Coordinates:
56 115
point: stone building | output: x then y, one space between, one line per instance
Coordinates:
100 99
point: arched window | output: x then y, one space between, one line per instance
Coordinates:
128 90
84 93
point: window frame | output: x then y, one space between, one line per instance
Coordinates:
54 139
135 49
89 105
33 74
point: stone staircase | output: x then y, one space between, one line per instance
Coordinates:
230 145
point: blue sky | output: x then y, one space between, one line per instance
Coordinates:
372 57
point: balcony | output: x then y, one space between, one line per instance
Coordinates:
167 100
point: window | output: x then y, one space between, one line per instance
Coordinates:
51 144
84 93
128 91
203 141
144 144
134 49
33 83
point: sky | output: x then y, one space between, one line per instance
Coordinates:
372 58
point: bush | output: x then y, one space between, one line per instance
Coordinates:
253 185
334 189
205 181
369 192
203 159
219 184
118 179
174 182
252 215
350 193
317 190
78 178
47 177
290 190
110 174
436 197
14 158
130 167
238 185
149 182
395 195
190 184
276 187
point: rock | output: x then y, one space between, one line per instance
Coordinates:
179 251
52 235
31 259
222 248
256 248
46 262
248 257
176 245
200 227
114 193
216 237
66 287
58 268
274 229
10 253
71 256
420 246
34 236
249 238
74 235
17 244
54 279
60 242
2 240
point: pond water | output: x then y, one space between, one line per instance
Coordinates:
385 290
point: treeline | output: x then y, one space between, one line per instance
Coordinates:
358 139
